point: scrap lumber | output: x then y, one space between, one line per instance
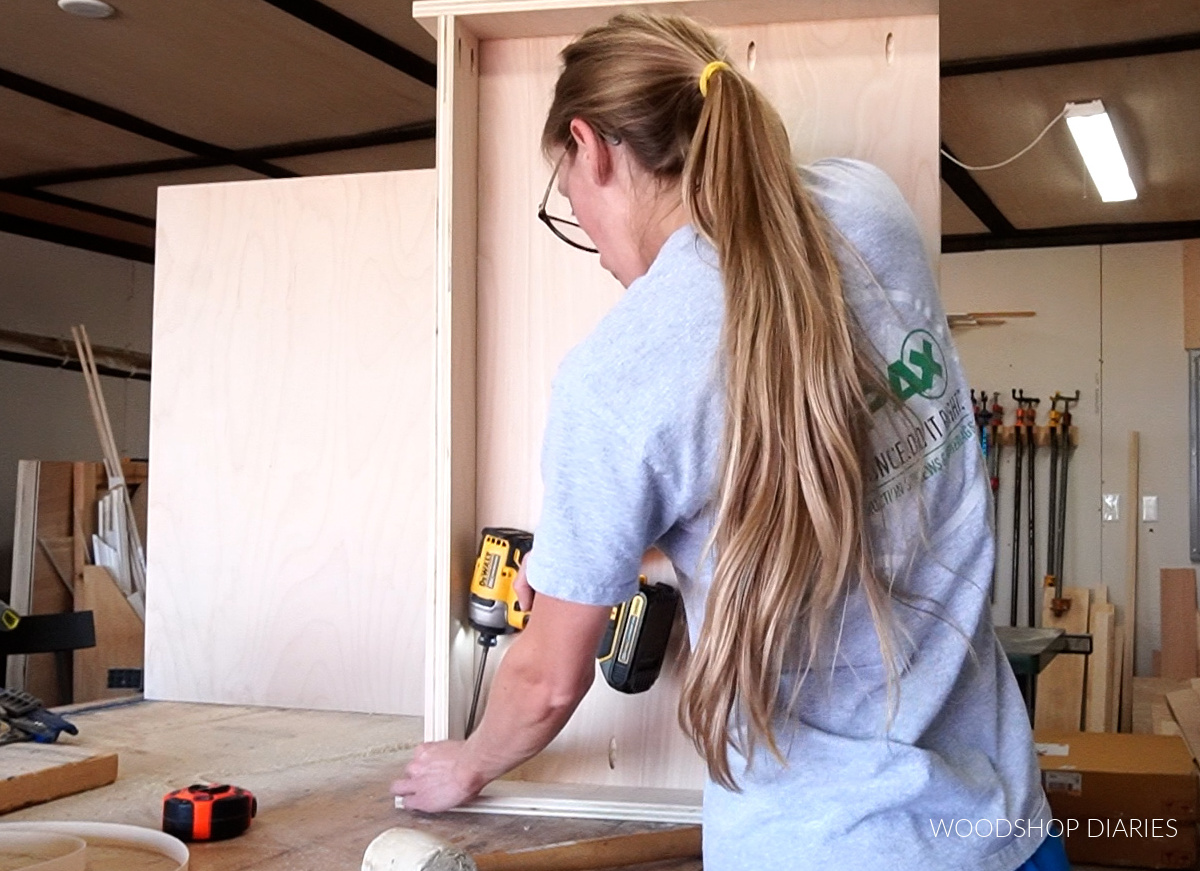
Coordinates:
130 553
1185 706
55 521
85 479
36 773
1161 721
1113 719
1178 597
1100 677
58 552
120 636
40 571
1060 687
1133 488
24 552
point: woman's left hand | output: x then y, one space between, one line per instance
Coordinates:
438 778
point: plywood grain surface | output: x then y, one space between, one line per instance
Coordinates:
1102 673
120 635
1178 601
291 434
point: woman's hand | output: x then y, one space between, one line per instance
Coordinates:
438 778
545 672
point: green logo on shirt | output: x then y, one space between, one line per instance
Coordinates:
920 369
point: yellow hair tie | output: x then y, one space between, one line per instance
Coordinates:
708 71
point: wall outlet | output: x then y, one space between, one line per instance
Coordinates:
1149 509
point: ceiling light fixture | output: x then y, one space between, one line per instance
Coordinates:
87 8
1093 132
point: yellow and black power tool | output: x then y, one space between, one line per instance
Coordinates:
494 609
8 617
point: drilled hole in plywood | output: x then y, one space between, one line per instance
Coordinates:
889 48
751 55
612 753
472 58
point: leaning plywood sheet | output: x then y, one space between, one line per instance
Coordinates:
120 635
291 431
1185 706
1100 672
1178 597
864 88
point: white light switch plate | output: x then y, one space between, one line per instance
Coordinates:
1149 509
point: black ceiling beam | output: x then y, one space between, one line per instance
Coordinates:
21 226
91 208
388 136
30 359
131 123
1082 234
1083 54
973 196
415 132
22 183
361 37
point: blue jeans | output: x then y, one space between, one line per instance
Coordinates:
1051 856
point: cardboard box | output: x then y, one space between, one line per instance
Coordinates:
1122 799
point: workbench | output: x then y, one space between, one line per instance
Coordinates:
321 779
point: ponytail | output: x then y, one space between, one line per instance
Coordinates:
790 534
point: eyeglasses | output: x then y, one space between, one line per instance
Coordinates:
566 230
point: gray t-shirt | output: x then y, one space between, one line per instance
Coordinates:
629 461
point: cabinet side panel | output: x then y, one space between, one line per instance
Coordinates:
292 441
448 658
841 92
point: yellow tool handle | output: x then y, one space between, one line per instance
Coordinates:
611 852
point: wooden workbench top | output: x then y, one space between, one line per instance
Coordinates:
321 779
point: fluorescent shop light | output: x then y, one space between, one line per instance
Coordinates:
1094 136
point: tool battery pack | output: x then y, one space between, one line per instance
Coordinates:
633 647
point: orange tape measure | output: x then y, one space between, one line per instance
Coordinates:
208 812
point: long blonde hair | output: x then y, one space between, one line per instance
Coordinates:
790 537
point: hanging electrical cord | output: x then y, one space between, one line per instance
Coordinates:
1020 153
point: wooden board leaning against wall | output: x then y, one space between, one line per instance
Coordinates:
865 88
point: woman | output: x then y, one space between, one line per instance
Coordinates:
776 404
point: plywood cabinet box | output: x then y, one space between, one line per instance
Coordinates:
335 501
853 79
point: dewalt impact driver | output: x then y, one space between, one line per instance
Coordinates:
494 609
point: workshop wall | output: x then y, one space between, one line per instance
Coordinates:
1110 323
46 289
